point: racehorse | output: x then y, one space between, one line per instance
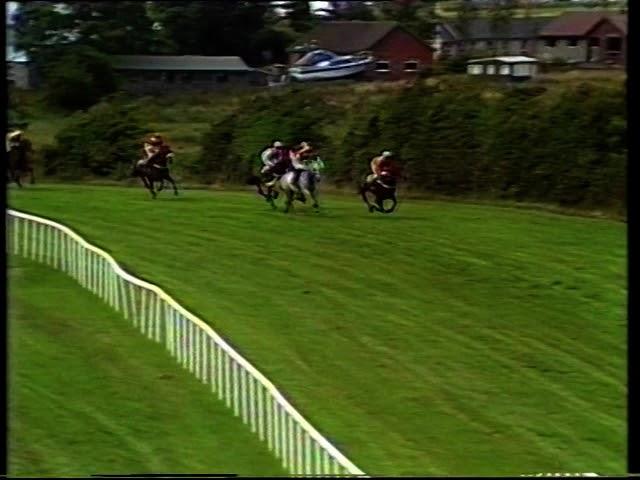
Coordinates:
18 163
156 171
307 183
383 189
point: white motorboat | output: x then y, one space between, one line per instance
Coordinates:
326 65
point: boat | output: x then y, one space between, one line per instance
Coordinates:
326 65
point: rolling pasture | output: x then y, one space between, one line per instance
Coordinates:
446 339
89 395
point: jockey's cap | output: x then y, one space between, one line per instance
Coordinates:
277 144
155 140
15 134
386 153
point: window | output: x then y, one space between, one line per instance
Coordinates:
382 66
572 42
475 69
411 66
523 70
550 42
505 69
491 69
614 44
223 78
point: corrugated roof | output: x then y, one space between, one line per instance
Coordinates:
349 36
482 29
579 23
184 62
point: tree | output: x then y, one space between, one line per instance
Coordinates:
109 27
417 16
500 15
104 141
79 78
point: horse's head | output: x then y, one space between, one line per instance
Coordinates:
316 165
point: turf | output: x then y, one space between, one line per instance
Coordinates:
446 339
88 394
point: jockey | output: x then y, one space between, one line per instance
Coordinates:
381 163
299 157
14 139
276 162
154 147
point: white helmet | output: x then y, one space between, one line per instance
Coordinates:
277 144
386 153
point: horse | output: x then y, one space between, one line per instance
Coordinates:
157 170
383 188
18 163
307 184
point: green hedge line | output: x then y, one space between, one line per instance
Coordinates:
563 145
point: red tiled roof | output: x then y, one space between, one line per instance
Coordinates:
349 36
620 21
579 23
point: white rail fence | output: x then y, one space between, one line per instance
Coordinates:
194 344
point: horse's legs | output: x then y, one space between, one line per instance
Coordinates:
363 193
289 202
168 177
33 178
270 196
148 183
16 178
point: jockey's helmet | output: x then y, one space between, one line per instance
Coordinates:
14 134
277 144
386 154
155 140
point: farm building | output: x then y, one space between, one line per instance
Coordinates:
399 54
516 37
150 73
586 37
510 67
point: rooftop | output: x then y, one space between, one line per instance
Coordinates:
184 62
506 59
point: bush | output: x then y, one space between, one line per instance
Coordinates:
79 79
104 141
564 145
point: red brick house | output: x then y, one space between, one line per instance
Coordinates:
399 54
586 37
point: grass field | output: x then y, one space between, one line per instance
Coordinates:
447 339
88 394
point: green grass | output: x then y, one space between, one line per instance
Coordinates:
88 394
447 339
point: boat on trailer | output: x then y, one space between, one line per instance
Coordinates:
326 65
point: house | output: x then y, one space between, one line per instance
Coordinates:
518 36
585 37
399 53
509 67
162 73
